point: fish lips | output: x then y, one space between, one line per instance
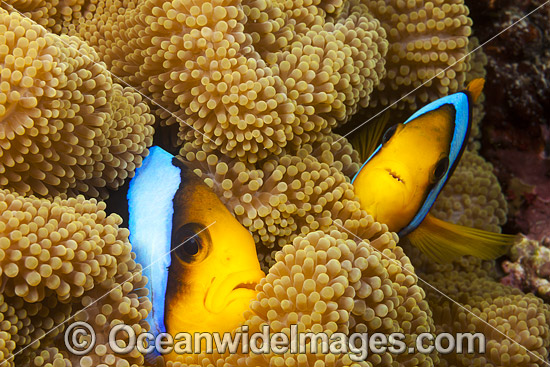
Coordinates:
235 286
393 173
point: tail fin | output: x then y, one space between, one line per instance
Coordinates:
475 87
443 241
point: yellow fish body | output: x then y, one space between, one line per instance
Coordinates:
214 272
201 262
399 182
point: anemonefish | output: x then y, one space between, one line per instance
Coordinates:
401 179
201 263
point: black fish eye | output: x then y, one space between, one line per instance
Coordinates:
191 245
389 133
441 168
187 243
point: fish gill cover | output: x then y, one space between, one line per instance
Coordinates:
250 94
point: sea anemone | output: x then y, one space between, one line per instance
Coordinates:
200 64
332 282
286 195
67 128
473 196
515 325
428 39
60 258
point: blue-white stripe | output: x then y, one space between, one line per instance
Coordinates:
150 206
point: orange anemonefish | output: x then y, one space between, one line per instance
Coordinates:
400 181
201 263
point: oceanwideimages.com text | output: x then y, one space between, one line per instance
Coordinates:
80 339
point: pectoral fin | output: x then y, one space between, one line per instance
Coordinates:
444 242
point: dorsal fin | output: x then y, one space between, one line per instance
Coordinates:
366 139
475 87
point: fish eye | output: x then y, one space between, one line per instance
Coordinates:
389 133
187 243
191 245
441 168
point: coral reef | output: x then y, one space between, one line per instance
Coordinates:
525 179
519 107
59 258
516 132
528 268
66 127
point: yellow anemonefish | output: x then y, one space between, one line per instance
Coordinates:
400 181
201 262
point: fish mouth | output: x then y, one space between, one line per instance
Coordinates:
235 286
395 175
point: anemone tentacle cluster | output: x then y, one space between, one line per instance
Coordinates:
465 296
328 281
210 68
254 76
428 44
286 195
515 325
66 127
59 257
478 60
473 196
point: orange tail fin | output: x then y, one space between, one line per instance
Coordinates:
475 87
